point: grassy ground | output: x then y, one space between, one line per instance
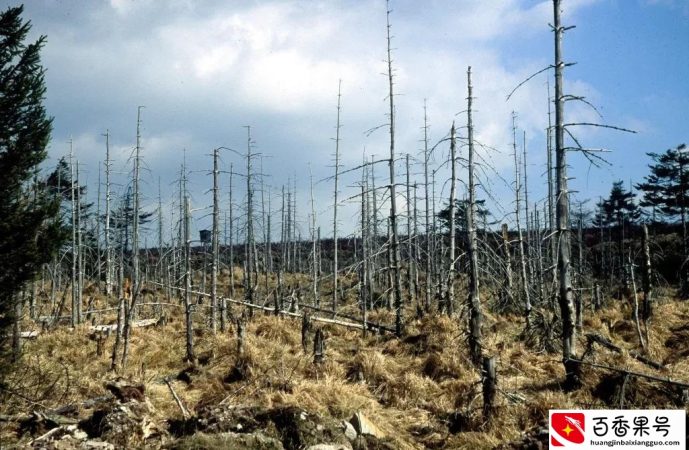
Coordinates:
421 391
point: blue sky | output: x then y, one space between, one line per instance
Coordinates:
204 69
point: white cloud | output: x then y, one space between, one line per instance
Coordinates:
204 69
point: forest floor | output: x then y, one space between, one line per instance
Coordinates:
420 391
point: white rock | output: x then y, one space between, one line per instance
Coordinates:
329 447
349 431
364 427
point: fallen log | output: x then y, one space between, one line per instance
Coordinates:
357 326
636 374
594 338
113 327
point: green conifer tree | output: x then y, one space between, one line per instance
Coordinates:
29 233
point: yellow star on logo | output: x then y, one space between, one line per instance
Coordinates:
567 430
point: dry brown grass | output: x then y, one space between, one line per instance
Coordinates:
413 389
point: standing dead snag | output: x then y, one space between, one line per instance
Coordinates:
314 247
474 303
506 293
566 300
635 313
490 388
647 309
450 289
250 254
130 309
410 241
214 244
126 291
429 252
108 244
337 173
522 256
75 285
187 282
305 330
319 347
241 369
397 288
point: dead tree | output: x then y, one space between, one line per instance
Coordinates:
136 277
319 347
187 282
450 289
520 238
397 288
410 241
552 248
249 294
214 244
231 265
314 252
507 297
98 243
474 303
75 285
80 251
635 313
124 298
489 382
417 252
305 330
364 294
647 310
428 212
337 173
566 300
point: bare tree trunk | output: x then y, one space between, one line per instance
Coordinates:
522 256
249 294
389 272
265 229
429 238
16 327
572 367
450 289
539 255
647 310
475 315
98 247
108 243
314 252
75 286
80 252
551 203
375 216
337 173
684 289
635 314
529 240
136 281
187 283
118 334
507 285
397 290
269 244
214 242
579 297
231 208
363 297
489 383
410 255
417 252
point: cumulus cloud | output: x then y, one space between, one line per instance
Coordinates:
204 69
